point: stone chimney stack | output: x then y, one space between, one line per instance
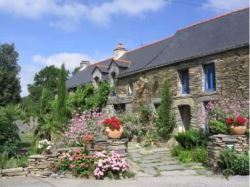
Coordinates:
84 64
119 51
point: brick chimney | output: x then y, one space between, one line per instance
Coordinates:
84 64
119 50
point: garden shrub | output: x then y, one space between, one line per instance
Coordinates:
218 127
232 163
191 138
9 137
145 114
198 154
166 120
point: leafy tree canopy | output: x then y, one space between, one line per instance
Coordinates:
48 78
9 69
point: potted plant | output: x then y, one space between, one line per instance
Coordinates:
113 127
88 140
44 146
237 125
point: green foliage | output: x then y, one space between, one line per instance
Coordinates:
197 154
218 127
9 69
191 138
9 137
45 101
102 94
61 110
232 163
86 97
48 78
13 162
166 119
145 114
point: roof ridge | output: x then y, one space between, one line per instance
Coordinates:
212 19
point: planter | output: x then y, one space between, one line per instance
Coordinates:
45 152
114 134
238 130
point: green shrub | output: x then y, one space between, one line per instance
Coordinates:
198 154
218 127
166 120
191 138
145 113
232 163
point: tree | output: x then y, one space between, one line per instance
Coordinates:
48 78
61 110
9 69
9 137
166 119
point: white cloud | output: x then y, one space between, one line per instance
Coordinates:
71 60
69 14
103 13
27 74
225 5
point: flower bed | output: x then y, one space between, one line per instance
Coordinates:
99 165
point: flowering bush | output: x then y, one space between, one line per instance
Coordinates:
112 166
238 121
99 165
83 123
78 162
44 145
219 112
223 108
113 123
87 138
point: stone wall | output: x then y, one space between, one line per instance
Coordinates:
38 165
217 143
232 78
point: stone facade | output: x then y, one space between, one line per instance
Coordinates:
232 78
219 142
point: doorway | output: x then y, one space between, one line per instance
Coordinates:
185 113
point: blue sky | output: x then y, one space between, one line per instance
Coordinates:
47 32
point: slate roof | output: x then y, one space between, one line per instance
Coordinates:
84 76
209 37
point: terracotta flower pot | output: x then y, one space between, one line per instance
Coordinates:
114 134
238 130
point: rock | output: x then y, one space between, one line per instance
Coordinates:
37 157
12 170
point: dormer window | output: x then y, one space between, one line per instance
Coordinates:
97 80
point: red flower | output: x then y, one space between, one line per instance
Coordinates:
230 121
241 120
113 123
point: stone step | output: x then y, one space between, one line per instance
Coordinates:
170 168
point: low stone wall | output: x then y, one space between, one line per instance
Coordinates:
219 142
14 172
38 165
118 145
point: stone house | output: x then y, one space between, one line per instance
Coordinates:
201 62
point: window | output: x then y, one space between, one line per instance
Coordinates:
120 108
209 77
184 76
